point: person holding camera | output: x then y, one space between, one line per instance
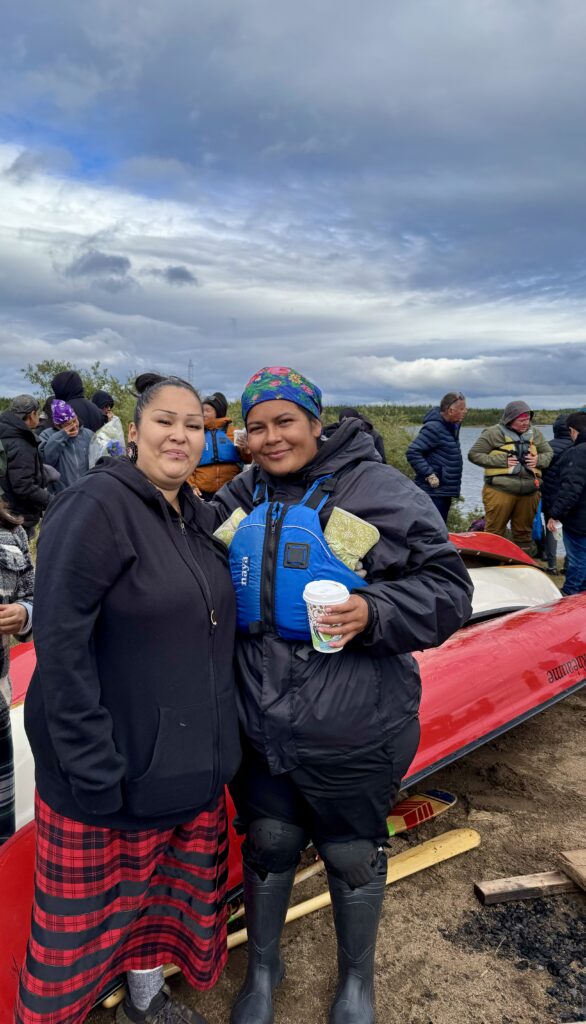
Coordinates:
513 454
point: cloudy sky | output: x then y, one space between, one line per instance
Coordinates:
388 195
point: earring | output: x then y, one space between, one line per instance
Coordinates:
132 451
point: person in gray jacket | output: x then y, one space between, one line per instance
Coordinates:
65 446
327 739
17 577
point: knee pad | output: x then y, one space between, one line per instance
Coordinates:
273 845
356 863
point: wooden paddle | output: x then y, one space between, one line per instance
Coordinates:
433 851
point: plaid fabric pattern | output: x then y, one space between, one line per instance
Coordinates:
108 901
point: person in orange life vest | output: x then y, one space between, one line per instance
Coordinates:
222 458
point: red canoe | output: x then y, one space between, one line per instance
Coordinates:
522 651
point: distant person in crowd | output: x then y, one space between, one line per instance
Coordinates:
109 440
23 482
222 458
67 386
435 453
347 413
513 454
65 446
104 401
566 502
560 442
131 717
16 603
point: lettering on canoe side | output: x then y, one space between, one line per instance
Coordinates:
567 668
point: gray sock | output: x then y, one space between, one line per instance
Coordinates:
143 986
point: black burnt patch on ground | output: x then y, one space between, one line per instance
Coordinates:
539 935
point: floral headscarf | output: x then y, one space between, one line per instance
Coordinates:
274 382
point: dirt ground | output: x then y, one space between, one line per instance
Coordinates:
525 793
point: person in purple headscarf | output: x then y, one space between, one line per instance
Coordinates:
65 446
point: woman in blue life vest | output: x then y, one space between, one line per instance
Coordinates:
328 737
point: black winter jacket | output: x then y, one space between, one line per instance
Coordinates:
68 387
131 711
349 413
23 484
436 449
568 504
298 706
560 442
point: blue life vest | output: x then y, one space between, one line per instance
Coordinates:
218 448
276 550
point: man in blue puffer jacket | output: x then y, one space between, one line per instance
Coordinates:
435 453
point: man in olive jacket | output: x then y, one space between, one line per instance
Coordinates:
513 455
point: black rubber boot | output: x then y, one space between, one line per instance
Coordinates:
356 917
266 905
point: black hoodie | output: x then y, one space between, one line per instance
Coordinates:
23 485
560 442
301 707
131 711
568 503
68 387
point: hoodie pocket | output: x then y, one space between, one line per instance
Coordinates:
181 772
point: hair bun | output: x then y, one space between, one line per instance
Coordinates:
144 381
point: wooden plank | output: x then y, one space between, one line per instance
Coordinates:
523 887
574 864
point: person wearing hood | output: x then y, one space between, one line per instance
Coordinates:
348 412
560 442
328 738
435 453
109 440
67 387
513 454
567 503
222 458
23 482
131 717
65 446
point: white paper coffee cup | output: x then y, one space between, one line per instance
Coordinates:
319 595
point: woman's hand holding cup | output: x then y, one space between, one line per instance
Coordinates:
345 620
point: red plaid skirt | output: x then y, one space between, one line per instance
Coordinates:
108 901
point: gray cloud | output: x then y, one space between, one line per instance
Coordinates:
31 162
94 263
177 275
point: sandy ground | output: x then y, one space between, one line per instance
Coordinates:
525 793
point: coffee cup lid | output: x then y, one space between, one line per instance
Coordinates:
325 592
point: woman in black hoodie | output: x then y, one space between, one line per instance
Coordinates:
132 721
329 735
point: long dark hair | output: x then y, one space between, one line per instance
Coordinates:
8 521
